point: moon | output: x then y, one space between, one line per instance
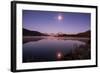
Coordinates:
60 17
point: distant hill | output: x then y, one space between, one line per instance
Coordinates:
82 34
86 33
27 32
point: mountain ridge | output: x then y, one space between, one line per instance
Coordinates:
27 32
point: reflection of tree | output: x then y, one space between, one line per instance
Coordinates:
80 52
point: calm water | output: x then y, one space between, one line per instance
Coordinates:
52 48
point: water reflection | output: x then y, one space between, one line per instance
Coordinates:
59 55
54 49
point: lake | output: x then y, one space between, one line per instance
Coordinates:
43 49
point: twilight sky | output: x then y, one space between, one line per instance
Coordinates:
55 22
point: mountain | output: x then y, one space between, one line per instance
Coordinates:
27 32
82 34
85 34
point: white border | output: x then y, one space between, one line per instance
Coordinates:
21 66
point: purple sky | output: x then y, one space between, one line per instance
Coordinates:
55 22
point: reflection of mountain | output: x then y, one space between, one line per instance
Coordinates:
29 39
27 32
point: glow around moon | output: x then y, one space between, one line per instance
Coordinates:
60 17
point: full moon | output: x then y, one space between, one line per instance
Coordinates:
60 17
